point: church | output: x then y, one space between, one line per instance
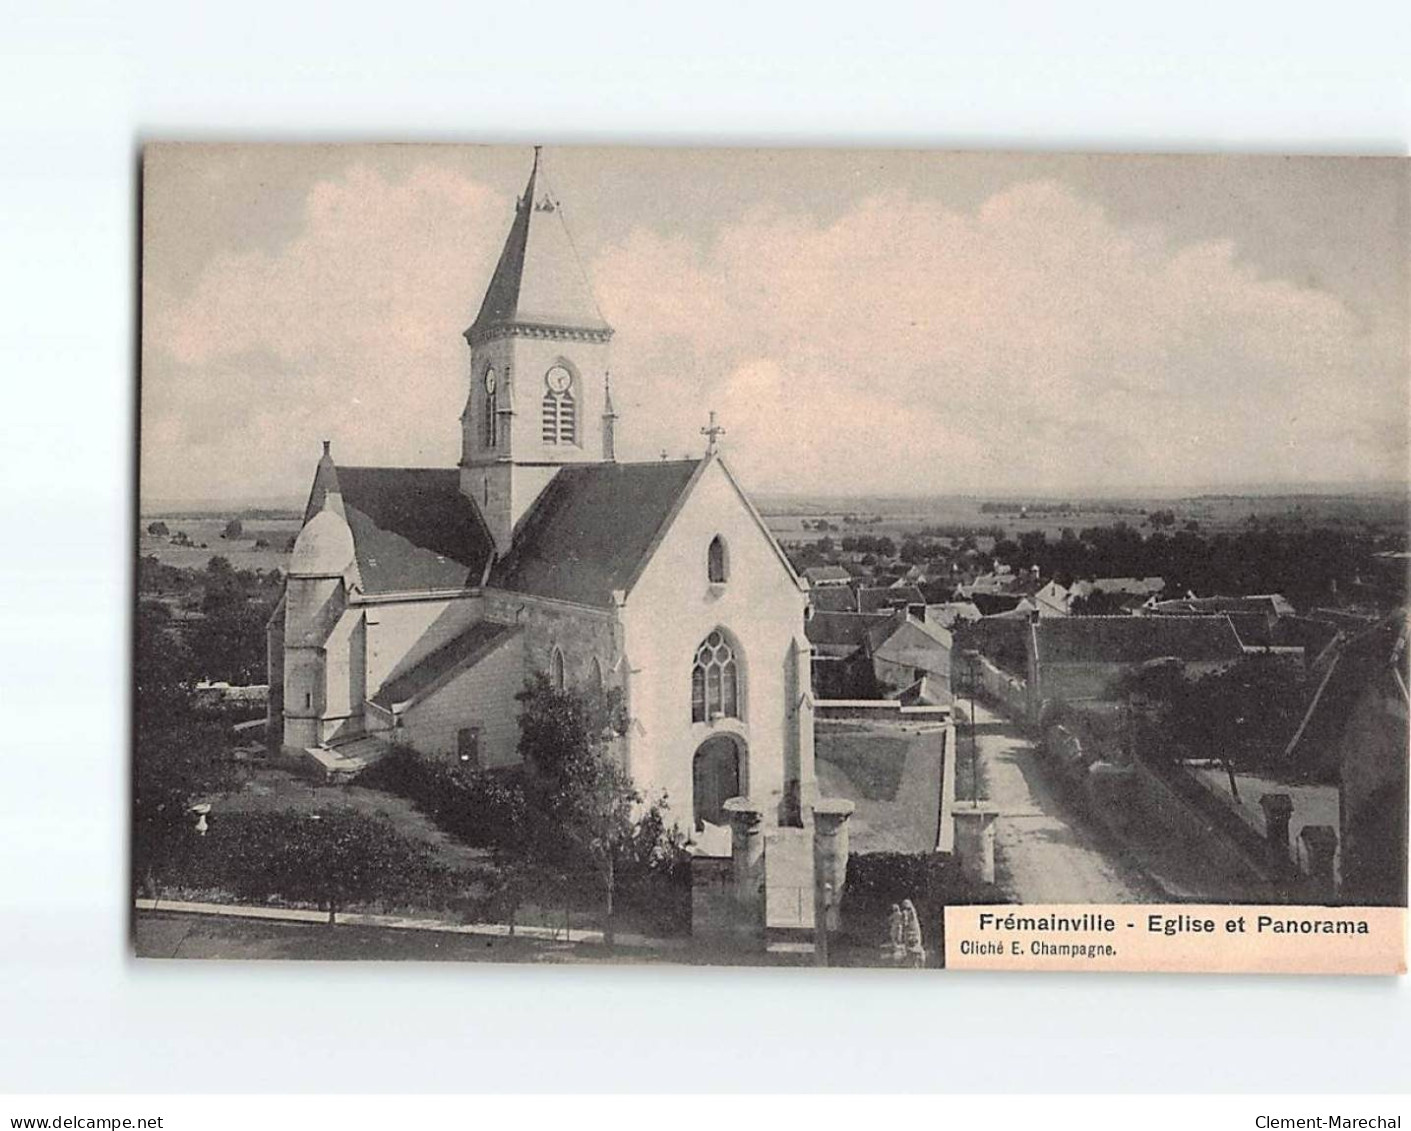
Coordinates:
419 601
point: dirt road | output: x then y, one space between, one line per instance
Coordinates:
1043 851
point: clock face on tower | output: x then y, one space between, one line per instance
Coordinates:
559 379
490 381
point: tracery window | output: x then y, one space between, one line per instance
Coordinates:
715 681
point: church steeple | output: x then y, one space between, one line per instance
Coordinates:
538 366
539 281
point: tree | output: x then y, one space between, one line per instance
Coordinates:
177 757
233 529
1242 716
582 803
158 529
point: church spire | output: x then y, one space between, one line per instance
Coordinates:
609 421
539 283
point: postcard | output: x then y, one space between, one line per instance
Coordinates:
895 559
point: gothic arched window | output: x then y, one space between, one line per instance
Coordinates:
595 673
715 681
559 416
492 404
717 568
556 670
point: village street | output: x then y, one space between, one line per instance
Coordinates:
1044 853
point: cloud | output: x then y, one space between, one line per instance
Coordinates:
904 346
351 331
1032 343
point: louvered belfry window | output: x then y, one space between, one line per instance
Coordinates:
559 412
715 690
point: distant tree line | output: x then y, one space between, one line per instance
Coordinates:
1306 565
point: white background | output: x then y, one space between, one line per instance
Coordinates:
81 87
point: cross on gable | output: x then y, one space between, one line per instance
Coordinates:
712 433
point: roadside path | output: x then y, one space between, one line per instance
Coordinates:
1044 853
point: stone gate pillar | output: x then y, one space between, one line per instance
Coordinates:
747 858
1278 812
830 859
1320 842
975 843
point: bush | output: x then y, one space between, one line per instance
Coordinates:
330 860
483 808
933 882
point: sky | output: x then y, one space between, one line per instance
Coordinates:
862 321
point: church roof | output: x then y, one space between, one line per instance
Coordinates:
412 528
539 280
592 528
433 669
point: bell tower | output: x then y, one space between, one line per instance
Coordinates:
538 368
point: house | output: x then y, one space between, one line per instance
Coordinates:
1265 622
872 599
419 601
843 633
1084 658
826 576
833 599
947 614
1052 600
1112 594
842 665
912 657
1002 581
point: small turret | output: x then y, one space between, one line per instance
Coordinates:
322 569
609 421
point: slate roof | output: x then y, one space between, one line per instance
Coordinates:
843 630
870 600
827 573
833 599
412 527
538 279
433 669
948 613
1130 586
1360 660
591 529
1134 640
1266 604
905 634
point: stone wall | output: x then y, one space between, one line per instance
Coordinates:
712 899
582 635
482 697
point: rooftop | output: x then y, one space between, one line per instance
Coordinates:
1134 640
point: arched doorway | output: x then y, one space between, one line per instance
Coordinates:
715 778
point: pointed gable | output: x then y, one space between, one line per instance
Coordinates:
539 279
591 529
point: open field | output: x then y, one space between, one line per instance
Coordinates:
207 529
901 517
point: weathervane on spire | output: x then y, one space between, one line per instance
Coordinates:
712 432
